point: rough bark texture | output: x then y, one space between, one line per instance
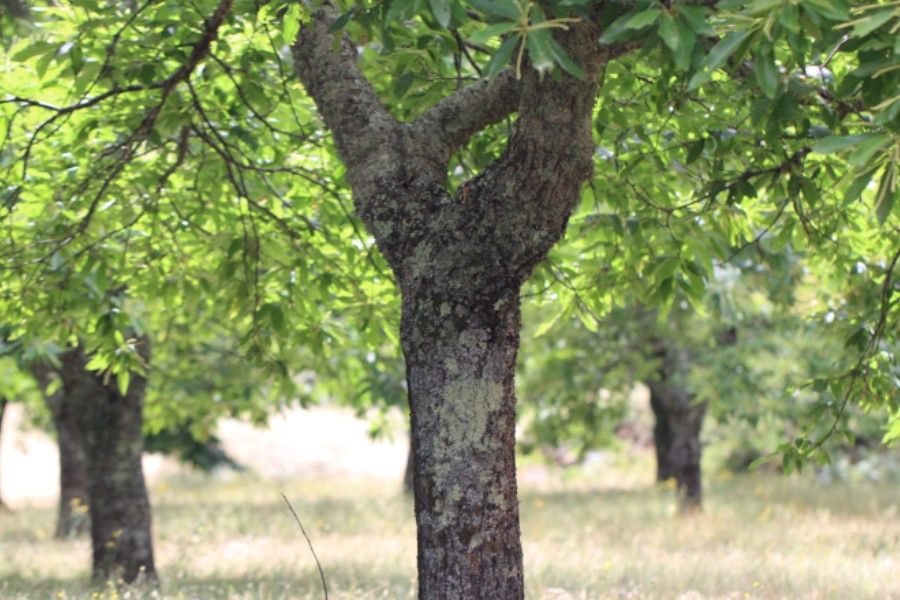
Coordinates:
74 518
460 263
679 420
110 428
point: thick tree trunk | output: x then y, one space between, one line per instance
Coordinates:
74 518
460 374
110 427
676 434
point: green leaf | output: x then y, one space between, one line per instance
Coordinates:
402 85
501 57
687 39
856 188
717 57
538 44
887 193
123 378
32 50
695 150
491 31
836 10
399 8
767 75
872 21
833 144
617 31
54 386
695 16
725 48
291 23
498 8
340 22
441 11
668 32
868 148
666 268
643 19
562 59
762 460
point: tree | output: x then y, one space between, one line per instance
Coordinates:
110 425
74 497
202 131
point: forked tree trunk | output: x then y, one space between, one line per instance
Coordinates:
676 434
110 427
460 261
73 518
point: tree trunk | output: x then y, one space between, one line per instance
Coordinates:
460 374
676 434
110 427
74 518
460 261
3 507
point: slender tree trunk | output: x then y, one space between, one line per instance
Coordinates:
110 427
74 518
3 402
676 434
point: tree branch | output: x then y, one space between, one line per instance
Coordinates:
452 121
363 130
534 186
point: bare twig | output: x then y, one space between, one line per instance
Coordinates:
311 549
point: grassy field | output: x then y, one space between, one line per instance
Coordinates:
600 534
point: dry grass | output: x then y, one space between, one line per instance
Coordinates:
759 537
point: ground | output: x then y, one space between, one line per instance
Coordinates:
603 531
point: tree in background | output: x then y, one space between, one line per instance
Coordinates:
74 495
195 167
110 426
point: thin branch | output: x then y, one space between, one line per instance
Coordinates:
871 347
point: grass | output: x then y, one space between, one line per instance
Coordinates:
591 533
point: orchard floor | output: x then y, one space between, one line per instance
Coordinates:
599 532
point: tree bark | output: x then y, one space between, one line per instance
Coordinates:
676 434
110 427
73 519
460 261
